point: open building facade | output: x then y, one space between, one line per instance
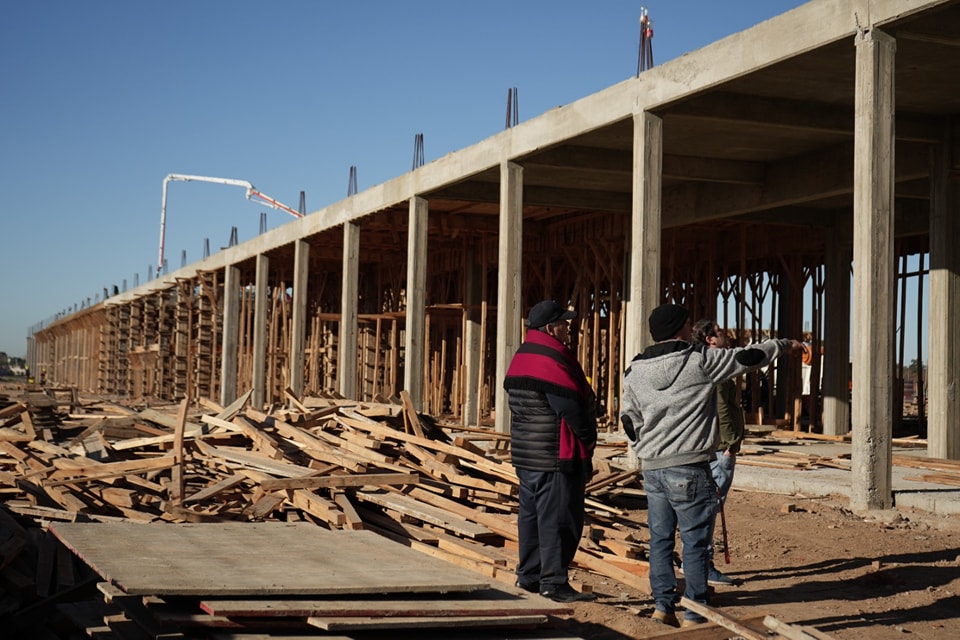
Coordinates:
816 152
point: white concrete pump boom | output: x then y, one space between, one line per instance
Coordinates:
251 193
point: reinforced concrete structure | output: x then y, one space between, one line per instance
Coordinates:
818 142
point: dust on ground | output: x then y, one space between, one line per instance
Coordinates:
812 562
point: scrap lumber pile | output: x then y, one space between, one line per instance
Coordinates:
772 457
940 471
449 493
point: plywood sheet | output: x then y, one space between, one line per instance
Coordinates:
222 559
489 602
367 624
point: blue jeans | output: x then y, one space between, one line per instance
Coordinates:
722 468
684 496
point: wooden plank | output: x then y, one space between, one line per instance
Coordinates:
27 422
389 432
294 400
352 518
317 506
504 526
234 407
341 480
218 487
722 619
589 561
705 631
13 410
487 602
254 460
410 417
364 624
421 511
202 559
166 420
937 478
176 473
311 445
793 632
12 435
933 464
105 470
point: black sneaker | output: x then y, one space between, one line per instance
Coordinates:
530 587
565 593
716 578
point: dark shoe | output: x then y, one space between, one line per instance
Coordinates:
716 578
565 593
692 622
669 619
530 587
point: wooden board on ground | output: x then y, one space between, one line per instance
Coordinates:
256 559
488 602
358 624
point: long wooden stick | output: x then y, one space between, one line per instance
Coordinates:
713 615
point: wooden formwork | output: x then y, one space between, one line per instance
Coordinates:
168 343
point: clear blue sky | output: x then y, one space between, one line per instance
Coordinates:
101 100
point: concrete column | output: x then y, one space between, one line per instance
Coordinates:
472 337
231 331
874 272
347 346
509 296
259 361
301 271
643 288
943 369
836 334
415 334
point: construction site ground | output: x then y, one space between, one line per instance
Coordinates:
801 555
797 551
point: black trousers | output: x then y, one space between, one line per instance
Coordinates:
549 525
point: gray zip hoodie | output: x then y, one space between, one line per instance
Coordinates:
669 408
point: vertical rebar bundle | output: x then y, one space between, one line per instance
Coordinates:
513 109
645 51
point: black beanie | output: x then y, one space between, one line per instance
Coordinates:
666 321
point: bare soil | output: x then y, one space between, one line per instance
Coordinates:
817 565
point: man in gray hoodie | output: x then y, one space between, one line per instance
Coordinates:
668 411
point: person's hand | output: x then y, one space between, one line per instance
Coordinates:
796 347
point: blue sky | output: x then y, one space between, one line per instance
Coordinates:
103 99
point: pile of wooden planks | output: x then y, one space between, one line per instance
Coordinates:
941 471
449 493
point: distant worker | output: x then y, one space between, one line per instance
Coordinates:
553 434
668 411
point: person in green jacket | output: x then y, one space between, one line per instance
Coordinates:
730 421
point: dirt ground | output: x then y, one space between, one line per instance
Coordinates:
895 575
818 565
